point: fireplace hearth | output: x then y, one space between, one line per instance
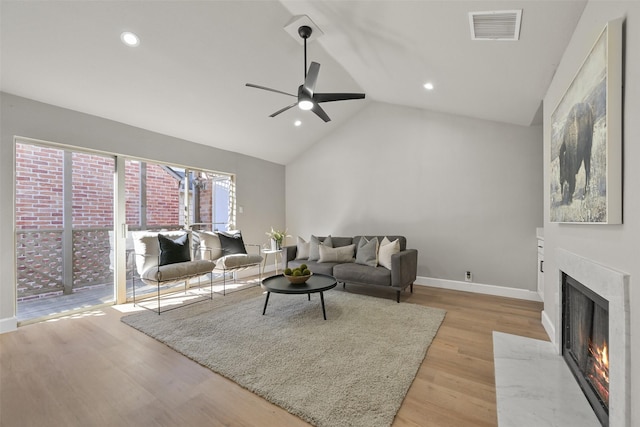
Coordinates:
585 338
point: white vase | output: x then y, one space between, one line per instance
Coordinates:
275 245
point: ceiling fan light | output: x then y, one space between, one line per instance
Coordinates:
305 104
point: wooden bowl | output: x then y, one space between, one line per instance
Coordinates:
297 280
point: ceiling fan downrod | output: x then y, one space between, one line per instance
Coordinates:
305 32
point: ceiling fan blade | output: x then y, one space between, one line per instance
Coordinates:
320 112
269 89
330 97
312 76
284 109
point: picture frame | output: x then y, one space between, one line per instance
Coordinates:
586 138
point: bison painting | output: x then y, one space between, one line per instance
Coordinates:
575 150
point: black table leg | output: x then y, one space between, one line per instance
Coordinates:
309 296
324 313
266 301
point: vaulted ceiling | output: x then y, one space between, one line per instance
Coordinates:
187 77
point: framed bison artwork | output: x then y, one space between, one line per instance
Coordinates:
586 138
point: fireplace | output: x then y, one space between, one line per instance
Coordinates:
612 286
585 342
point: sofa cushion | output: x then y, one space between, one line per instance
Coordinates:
302 251
341 241
175 250
367 253
237 260
232 243
210 246
362 274
177 271
341 254
387 249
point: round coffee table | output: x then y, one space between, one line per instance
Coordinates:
316 283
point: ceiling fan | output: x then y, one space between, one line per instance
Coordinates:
307 98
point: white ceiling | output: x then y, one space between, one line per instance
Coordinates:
186 79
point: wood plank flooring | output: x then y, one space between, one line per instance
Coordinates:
90 369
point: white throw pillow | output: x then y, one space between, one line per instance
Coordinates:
385 251
303 249
210 247
340 254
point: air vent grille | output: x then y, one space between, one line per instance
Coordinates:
495 25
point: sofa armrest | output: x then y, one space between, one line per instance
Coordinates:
289 253
404 268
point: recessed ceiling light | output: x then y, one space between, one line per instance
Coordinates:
129 39
297 123
428 86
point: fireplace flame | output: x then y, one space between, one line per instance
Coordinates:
599 370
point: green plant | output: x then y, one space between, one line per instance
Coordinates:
277 235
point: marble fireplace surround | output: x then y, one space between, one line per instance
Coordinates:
614 287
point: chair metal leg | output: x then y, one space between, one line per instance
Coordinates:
211 285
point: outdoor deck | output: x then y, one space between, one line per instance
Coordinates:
44 308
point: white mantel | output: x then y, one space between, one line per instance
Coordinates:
614 287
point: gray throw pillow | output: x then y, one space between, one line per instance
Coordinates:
314 251
367 253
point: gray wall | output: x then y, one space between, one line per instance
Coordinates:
260 184
466 193
615 246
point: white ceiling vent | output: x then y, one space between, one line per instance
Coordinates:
495 25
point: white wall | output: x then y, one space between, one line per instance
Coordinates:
466 193
615 246
259 184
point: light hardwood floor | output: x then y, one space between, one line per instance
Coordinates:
93 370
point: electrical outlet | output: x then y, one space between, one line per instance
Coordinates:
468 277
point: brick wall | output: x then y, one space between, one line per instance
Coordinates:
132 192
39 181
38 187
163 197
92 183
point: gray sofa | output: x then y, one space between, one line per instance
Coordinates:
402 274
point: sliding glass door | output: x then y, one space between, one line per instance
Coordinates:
64 230
69 253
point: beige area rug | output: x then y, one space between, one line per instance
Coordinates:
353 369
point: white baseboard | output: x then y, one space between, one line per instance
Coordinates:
549 328
479 288
8 324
